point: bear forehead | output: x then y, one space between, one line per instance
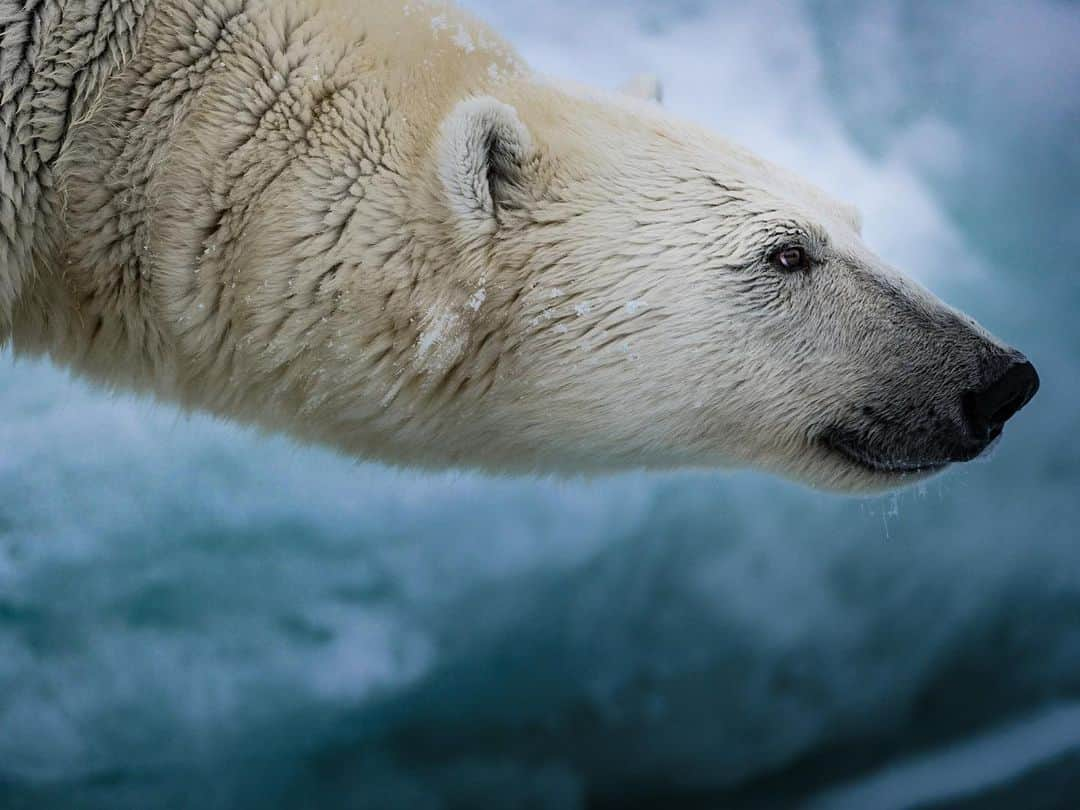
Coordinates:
773 192
705 167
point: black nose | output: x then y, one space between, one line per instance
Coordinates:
989 408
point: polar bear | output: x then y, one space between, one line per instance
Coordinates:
372 226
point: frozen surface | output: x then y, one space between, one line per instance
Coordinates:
194 615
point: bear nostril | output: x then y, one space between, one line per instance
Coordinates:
989 408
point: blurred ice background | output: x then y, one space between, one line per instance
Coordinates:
192 615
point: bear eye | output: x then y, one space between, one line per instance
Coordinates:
791 258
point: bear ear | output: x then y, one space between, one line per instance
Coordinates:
644 86
482 153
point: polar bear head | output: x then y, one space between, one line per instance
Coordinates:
663 298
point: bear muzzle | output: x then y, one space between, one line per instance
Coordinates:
922 437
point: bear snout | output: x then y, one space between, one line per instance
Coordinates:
925 430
